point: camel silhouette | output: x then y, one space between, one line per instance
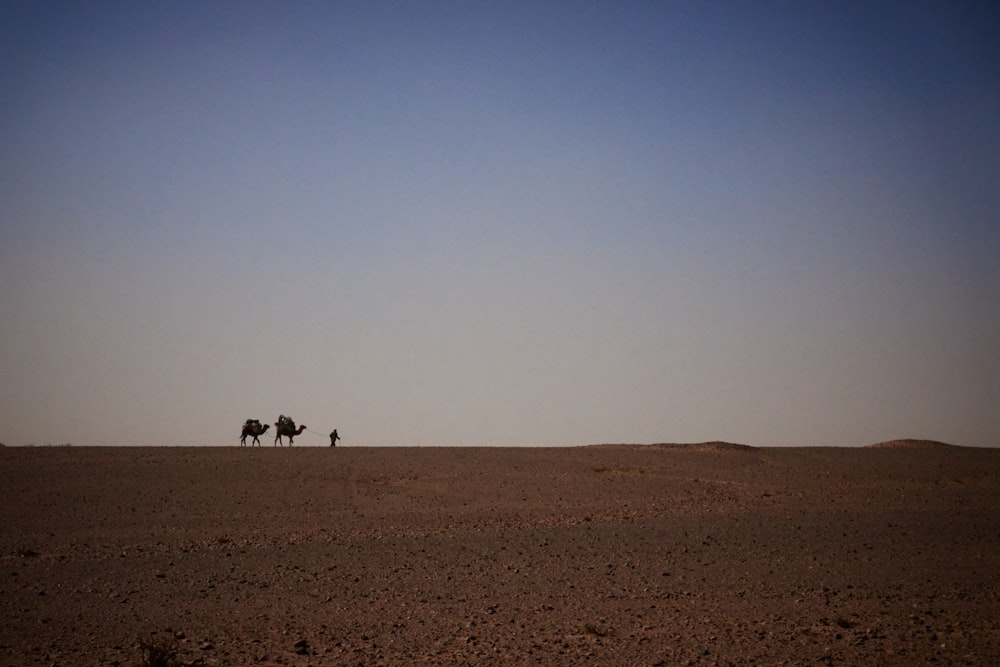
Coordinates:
255 429
286 429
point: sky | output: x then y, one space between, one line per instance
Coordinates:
500 223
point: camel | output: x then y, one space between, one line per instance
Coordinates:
255 429
286 429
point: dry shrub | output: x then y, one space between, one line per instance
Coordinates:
592 629
158 654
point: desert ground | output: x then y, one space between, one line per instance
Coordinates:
707 554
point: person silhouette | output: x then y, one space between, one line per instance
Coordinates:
334 438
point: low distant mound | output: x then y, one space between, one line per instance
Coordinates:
713 446
910 444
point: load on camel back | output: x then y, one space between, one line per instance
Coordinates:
252 427
285 426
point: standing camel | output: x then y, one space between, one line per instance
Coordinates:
252 427
286 428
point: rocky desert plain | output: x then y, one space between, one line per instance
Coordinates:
700 554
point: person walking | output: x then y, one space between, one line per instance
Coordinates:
334 438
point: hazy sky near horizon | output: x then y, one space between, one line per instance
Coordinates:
500 223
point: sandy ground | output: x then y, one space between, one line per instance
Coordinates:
606 555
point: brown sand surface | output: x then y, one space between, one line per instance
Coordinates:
709 554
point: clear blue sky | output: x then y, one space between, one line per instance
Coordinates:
490 223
